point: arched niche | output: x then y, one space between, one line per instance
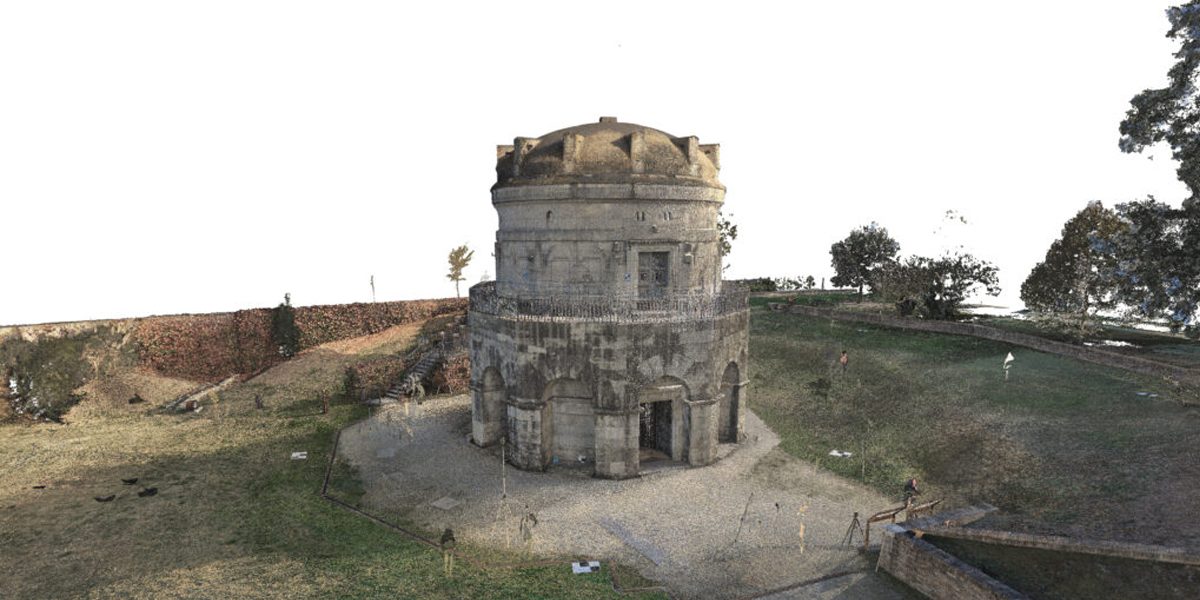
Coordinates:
569 423
729 404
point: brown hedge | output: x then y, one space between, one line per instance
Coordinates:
207 347
210 347
321 324
453 376
373 377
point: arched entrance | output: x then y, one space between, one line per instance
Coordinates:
572 423
492 396
661 421
727 409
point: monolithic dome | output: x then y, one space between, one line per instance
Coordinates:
607 338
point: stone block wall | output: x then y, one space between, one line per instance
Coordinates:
1060 568
935 573
611 367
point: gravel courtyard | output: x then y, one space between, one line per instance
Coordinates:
676 525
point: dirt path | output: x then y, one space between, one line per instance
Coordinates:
675 524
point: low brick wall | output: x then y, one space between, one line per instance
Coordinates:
935 573
1173 373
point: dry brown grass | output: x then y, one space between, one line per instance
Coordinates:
109 395
185 541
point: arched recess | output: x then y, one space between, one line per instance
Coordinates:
662 424
728 406
571 420
492 396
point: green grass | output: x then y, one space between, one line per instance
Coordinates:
1062 443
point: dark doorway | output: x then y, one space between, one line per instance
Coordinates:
652 274
654 429
727 409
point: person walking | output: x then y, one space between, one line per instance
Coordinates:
844 360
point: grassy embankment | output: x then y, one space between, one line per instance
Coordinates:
1063 446
234 517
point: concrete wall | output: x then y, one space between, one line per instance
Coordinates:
1111 359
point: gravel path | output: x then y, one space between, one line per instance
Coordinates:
675 524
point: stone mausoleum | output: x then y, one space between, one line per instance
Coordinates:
607 339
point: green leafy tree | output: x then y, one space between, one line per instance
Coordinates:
935 288
1159 255
862 253
809 282
460 257
1157 263
1075 278
1171 114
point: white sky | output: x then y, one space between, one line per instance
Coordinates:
167 157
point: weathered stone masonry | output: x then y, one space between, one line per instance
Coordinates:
607 331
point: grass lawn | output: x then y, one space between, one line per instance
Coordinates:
1062 447
234 516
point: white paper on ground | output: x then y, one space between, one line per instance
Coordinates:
590 566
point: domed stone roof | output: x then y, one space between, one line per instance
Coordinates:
608 152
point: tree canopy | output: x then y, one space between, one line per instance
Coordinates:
1157 263
935 288
1172 114
1158 256
1075 278
862 253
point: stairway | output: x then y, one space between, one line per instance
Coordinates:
423 370
450 343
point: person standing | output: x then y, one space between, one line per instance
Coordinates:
528 522
448 544
844 360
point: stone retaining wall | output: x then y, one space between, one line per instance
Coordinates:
1060 568
935 573
942 558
